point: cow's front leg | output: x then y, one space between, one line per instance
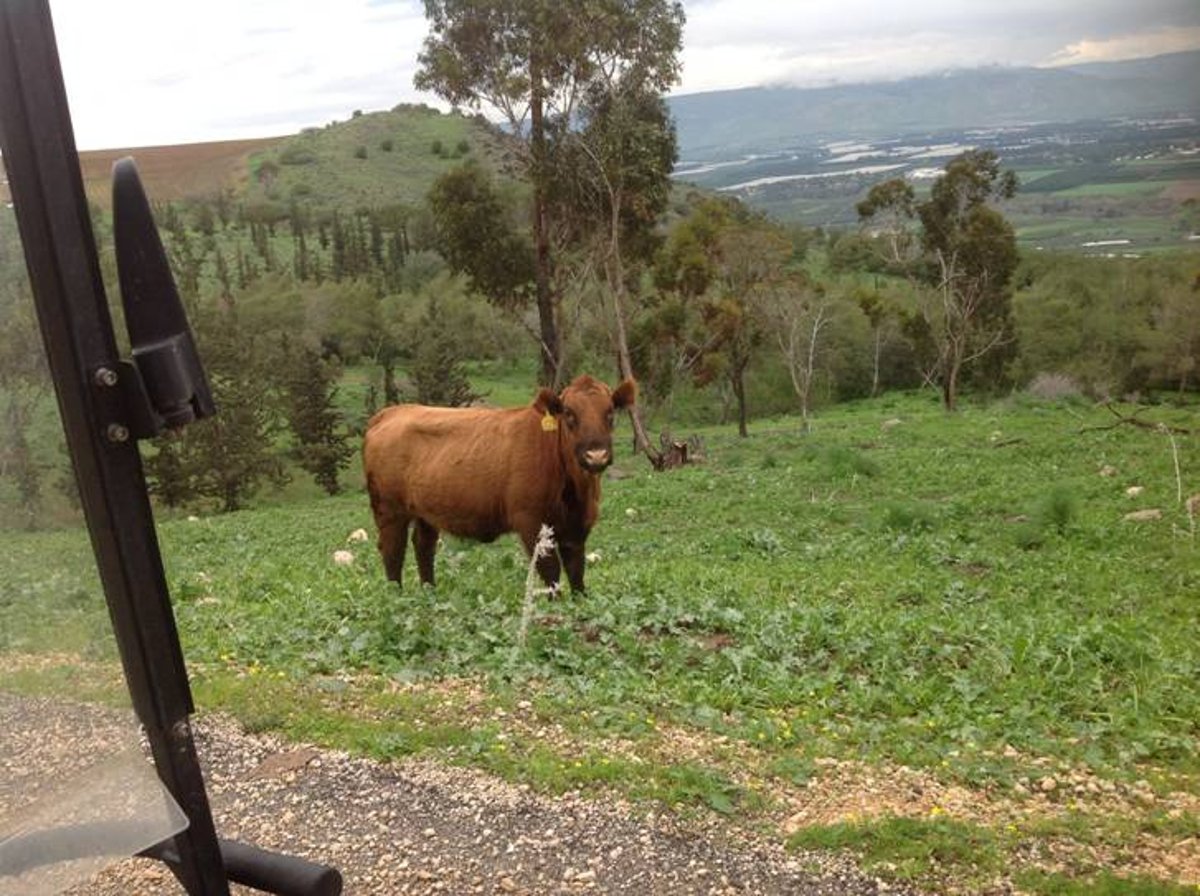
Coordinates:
548 566
574 559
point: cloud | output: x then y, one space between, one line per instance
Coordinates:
730 43
1131 46
142 72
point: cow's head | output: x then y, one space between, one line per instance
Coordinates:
583 415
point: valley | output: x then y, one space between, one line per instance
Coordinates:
1092 186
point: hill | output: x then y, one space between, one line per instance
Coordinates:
761 119
374 159
176 172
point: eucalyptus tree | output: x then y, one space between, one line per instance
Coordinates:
530 62
613 186
964 255
723 261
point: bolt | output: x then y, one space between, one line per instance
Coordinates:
105 376
117 433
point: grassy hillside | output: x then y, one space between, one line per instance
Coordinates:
932 639
374 159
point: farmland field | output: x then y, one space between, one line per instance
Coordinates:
1080 182
935 640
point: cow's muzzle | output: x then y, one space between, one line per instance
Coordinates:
596 460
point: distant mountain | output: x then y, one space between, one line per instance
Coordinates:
729 123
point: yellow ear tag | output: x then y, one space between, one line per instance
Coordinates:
549 423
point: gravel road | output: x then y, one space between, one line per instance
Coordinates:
419 827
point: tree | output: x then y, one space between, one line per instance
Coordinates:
309 386
1177 333
437 369
24 383
529 61
474 235
798 311
720 260
614 185
965 257
226 458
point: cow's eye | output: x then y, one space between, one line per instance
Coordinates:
572 420
608 418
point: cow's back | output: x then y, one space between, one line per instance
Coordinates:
464 470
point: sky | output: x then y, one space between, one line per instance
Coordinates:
153 72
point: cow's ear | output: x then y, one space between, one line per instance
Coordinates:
625 394
547 402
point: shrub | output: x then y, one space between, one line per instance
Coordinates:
387 145
1054 387
901 516
295 155
1057 509
360 152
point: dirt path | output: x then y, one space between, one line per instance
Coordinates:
419 827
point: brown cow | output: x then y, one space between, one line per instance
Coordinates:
481 472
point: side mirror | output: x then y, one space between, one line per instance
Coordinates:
170 388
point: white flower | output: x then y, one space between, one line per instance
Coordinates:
358 535
1133 491
593 557
631 512
343 558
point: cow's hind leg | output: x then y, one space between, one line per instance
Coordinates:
425 538
393 533
393 542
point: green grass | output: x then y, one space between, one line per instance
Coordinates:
369 161
852 592
909 848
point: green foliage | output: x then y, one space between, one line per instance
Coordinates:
1057 509
309 385
965 258
437 369
529 62
224 460
475 234
1041 883
1116 326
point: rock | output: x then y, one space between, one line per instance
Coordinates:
1048 784
1143 516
